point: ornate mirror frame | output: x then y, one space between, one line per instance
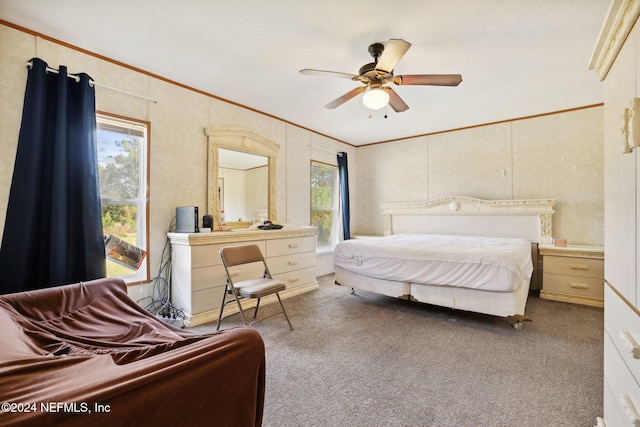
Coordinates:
246 141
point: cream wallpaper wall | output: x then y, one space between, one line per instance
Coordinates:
557 156
178 145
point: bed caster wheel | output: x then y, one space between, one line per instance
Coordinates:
353 291
518 325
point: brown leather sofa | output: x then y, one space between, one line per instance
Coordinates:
87 354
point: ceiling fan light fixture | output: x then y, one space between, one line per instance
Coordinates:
375 98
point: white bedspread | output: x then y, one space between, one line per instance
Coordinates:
487 263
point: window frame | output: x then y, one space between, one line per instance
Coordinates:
143 274
337 213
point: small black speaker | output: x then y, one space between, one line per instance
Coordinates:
207 222
187 219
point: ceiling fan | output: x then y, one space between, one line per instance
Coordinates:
378 73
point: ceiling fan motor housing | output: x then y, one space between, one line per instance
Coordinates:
376 50
368 71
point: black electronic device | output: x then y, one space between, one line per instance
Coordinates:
268 225
207 222
187 219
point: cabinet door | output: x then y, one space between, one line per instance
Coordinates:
620 177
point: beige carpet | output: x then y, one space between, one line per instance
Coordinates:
371 360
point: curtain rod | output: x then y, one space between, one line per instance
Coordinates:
326 151
96 84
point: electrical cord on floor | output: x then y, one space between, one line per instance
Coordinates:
160 304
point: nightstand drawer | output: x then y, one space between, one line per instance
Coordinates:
574 285
584 267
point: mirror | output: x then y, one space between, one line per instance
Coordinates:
243 184
225 143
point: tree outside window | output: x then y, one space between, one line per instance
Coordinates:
324 203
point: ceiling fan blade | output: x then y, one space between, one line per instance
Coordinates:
392 54
344 98
395 101
323 73
429 79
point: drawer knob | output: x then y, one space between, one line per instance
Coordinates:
293 245
630 343
579 285
293 262
234 273
578 266
293 279
630 410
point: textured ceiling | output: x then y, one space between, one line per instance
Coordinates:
517 57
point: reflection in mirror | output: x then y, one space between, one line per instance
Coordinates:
245 178
244 141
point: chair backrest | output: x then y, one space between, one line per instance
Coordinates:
236 255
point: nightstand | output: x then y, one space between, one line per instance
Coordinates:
573 274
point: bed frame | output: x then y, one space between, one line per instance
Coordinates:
528 219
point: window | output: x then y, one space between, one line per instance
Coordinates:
324 204
122 163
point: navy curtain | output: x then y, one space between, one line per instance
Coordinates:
53 229
343 173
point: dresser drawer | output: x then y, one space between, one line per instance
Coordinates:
214 276
298 277
206 299
281 264
206 255
279 247
573 285
624 390
207 277
622 325
583 267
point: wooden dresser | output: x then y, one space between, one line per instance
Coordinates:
198 277
573 274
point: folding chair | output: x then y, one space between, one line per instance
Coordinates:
250 288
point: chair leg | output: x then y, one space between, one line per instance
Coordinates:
284 311
240 308
255 313
224 296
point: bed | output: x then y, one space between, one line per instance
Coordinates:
458 252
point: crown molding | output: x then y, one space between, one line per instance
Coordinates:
620 19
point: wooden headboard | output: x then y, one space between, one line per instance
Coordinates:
529 219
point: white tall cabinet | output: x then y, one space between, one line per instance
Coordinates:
616 59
